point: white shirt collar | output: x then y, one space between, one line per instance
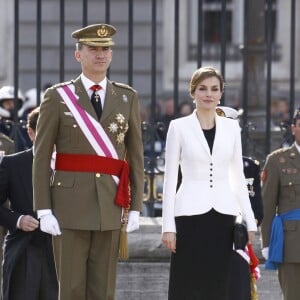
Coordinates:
87 83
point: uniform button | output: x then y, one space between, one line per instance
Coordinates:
211 180
290 183
59 183
210 174
210 186
74 125
211 164
210 169
98 175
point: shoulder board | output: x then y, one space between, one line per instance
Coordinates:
5 137
57 85
256 162
123 85
278 151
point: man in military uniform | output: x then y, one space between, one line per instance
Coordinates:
281 200
95 126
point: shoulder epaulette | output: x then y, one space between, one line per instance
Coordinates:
123 85
278 151
57 85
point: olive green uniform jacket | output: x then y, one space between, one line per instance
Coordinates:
281 193
83 200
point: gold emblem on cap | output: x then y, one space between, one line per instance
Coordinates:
220 112
102 32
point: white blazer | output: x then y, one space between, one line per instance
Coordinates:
208 180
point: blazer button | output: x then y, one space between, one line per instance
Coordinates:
98 175
59 183
74 125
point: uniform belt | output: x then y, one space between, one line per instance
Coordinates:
101 164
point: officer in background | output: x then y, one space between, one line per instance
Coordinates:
281 200
239 283
7 108
12 125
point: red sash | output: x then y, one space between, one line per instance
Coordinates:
101 164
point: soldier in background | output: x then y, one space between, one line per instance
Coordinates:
7 108
281 199
11 123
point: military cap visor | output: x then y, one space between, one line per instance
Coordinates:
97 35
228 112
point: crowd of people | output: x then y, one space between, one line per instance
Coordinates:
13 114
71 195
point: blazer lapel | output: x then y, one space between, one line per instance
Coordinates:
200 133
111 100
219 133
83 99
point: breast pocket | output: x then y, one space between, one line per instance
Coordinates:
290 187
70 132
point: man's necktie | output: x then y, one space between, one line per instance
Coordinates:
96 101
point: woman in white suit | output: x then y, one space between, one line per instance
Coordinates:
198 218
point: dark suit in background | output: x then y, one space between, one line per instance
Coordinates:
23 249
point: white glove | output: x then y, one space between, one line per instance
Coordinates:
133 221
49 224
265 253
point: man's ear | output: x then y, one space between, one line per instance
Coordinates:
77 55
